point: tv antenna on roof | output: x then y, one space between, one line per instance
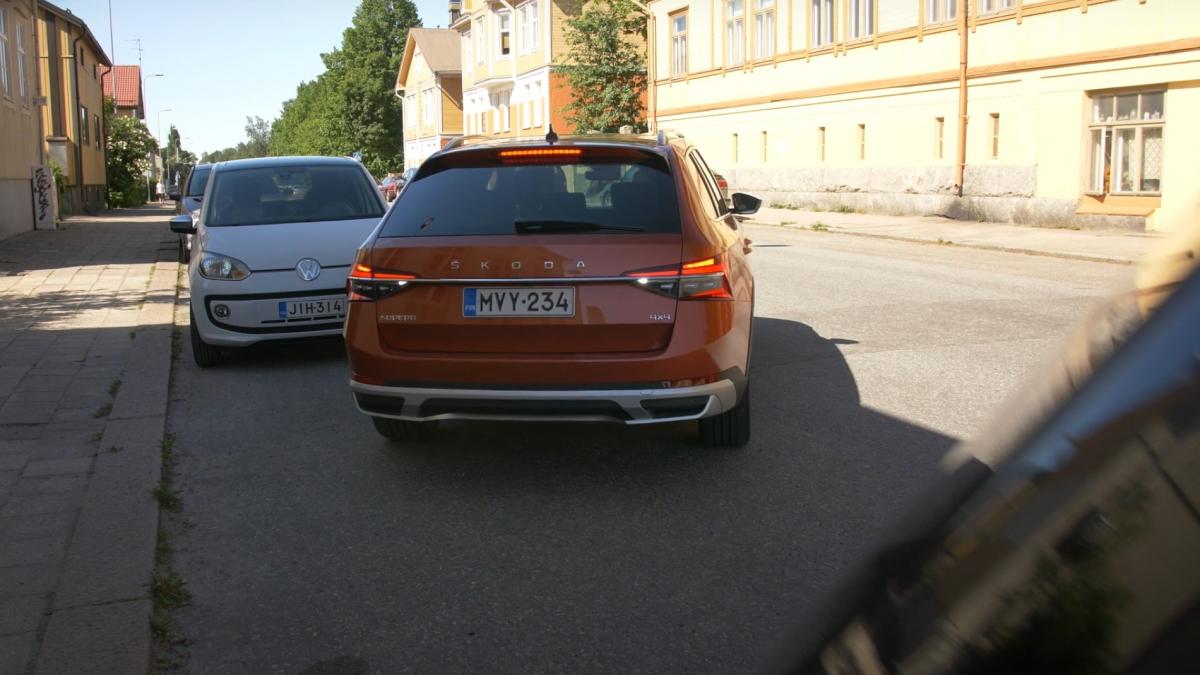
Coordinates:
551 137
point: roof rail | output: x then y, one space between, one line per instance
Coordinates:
454 143
665 135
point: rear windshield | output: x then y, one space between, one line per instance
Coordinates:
602 195
291 194
196 181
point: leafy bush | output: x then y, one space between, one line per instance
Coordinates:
130 146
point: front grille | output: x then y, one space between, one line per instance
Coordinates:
568 408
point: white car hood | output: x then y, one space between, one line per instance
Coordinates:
280 246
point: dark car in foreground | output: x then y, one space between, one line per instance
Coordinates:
587 278
1066 537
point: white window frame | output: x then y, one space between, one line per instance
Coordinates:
537 104
529 27
764 29
862 19
940 11
1104 126
989 7
5 82
500 33
84 121
22 65
410 102
678 42
735 33
467 52
823 18
428 107
480 40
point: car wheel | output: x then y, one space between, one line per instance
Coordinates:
204 354
730 429
403 430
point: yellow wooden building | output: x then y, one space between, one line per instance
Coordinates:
1077 112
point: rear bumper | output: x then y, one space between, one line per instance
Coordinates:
629 406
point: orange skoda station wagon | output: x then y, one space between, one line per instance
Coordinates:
585 278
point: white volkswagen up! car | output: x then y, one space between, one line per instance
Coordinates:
273 244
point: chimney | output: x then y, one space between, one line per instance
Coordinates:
455 11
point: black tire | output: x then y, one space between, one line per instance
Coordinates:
400 431
204 354
730 429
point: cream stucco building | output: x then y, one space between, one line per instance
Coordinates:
430 82
1078 112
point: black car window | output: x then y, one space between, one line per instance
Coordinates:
710 179
197 180
631 193
696 175
291 194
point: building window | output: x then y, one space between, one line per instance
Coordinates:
22 74
735 32
995 135
820 144
83 125
429 102
1126 143
939 135
763 149
505 34
822 22
480 40
938 11
5 83
764 29
537 104
862 18
467 52
995 6
529 27
679 55
506 111
96 126
735 148
862 141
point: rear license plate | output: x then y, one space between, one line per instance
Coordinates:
305 309
528 301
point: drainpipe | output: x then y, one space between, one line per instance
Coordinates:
651 94
962 97
37 84
512 18
78 129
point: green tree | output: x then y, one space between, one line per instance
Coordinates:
351 105
129 148
606 67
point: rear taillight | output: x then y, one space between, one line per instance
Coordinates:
722 183
706 279
366 284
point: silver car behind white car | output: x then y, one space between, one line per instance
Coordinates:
274 242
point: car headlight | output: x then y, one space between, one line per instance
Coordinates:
222 267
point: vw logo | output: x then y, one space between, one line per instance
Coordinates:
308 269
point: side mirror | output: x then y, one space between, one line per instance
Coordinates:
744 205
174 193
183 225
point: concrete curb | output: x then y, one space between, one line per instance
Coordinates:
100 616
935 242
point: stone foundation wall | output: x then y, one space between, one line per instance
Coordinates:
16 207
1001 194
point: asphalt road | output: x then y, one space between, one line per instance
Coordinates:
310 543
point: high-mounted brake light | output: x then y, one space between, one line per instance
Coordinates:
365 284
540 155
706 279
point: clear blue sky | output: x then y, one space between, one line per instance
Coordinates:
222 60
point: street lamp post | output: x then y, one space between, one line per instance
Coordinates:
158 130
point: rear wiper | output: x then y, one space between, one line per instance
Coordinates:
535 226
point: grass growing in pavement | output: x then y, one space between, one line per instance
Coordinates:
168 590
819 227
96 436
103 411
114 388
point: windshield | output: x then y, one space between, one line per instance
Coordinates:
291 194
599 196
197 181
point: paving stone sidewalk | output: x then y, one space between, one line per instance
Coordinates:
85 348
